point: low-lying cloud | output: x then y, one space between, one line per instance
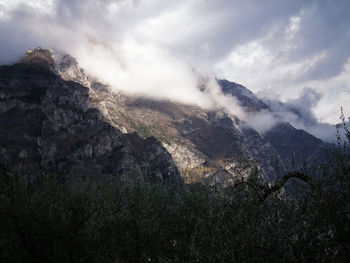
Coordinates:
298 112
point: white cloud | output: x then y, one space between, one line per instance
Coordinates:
145 69
7 7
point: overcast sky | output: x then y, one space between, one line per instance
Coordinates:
280 49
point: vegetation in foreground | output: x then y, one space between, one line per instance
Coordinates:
51 220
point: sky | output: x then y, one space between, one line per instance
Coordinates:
293 51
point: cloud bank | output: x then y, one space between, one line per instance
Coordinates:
152 47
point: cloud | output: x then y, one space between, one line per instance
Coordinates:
126 59
299 113
262 121
151 47
302 106
307 49
143 69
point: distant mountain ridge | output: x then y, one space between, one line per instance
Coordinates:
245 97
289 142
55 117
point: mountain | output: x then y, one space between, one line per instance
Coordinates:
54 117
245 97
294 146
49 123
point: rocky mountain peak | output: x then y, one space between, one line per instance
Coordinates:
39 52
63 65
248 100
41 57
70 70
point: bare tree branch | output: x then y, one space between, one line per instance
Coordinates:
279 184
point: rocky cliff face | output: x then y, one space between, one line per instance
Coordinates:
54 117
50 123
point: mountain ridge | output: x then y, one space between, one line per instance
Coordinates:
209 146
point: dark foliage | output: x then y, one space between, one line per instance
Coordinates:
51 220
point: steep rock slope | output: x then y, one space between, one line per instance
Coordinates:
206 145
210 146
48 123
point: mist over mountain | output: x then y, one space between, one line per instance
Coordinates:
131 48
57 118
277 49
